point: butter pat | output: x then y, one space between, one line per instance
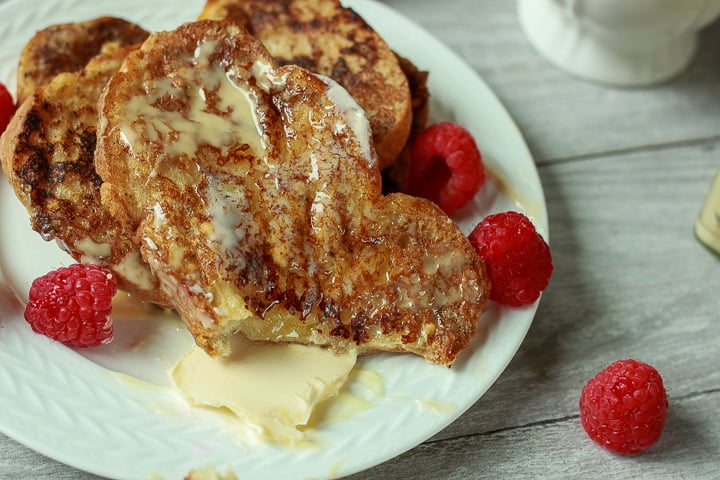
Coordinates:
274 386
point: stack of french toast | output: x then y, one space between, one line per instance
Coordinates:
232 170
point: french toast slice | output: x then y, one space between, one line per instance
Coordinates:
48 153
67 47
255 196
327 38
395 176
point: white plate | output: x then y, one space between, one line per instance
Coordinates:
74 407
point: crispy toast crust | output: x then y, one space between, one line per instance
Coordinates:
278 230
395 176
67 47
47 154
326 38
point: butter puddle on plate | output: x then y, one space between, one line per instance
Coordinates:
274 386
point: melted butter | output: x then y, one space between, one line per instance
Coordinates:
317 210
436 406
226 218
159 218
450 261
128 306
274 386
92 250
220 113
354 115
173 289
265 79
410 293
517 192
132 268
150 243
363 389
211 474
176 257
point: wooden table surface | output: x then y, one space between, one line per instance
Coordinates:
625 172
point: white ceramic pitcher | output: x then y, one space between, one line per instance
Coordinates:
620 42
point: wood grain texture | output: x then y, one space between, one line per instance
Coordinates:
560 116
625 172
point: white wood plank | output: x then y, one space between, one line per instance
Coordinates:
560 448
18 462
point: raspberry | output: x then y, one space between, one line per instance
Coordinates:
7 107
624 407
72 305
517 258
445 166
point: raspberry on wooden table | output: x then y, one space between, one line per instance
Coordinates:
517 258
7 107
73 304
445 166
624 407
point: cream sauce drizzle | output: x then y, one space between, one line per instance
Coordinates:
220 112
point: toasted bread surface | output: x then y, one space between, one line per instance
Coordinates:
395 176
326 38
67 47
47 154
272 222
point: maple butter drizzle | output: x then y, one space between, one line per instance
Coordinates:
220 111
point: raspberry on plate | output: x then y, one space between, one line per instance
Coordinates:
73 304
624 407
7 107
445 166
517 258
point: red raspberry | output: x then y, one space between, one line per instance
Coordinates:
72 305
517 257
7 107
624 407
445 166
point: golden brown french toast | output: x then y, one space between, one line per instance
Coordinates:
67 47
395 176
255 196
326 38
47 154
